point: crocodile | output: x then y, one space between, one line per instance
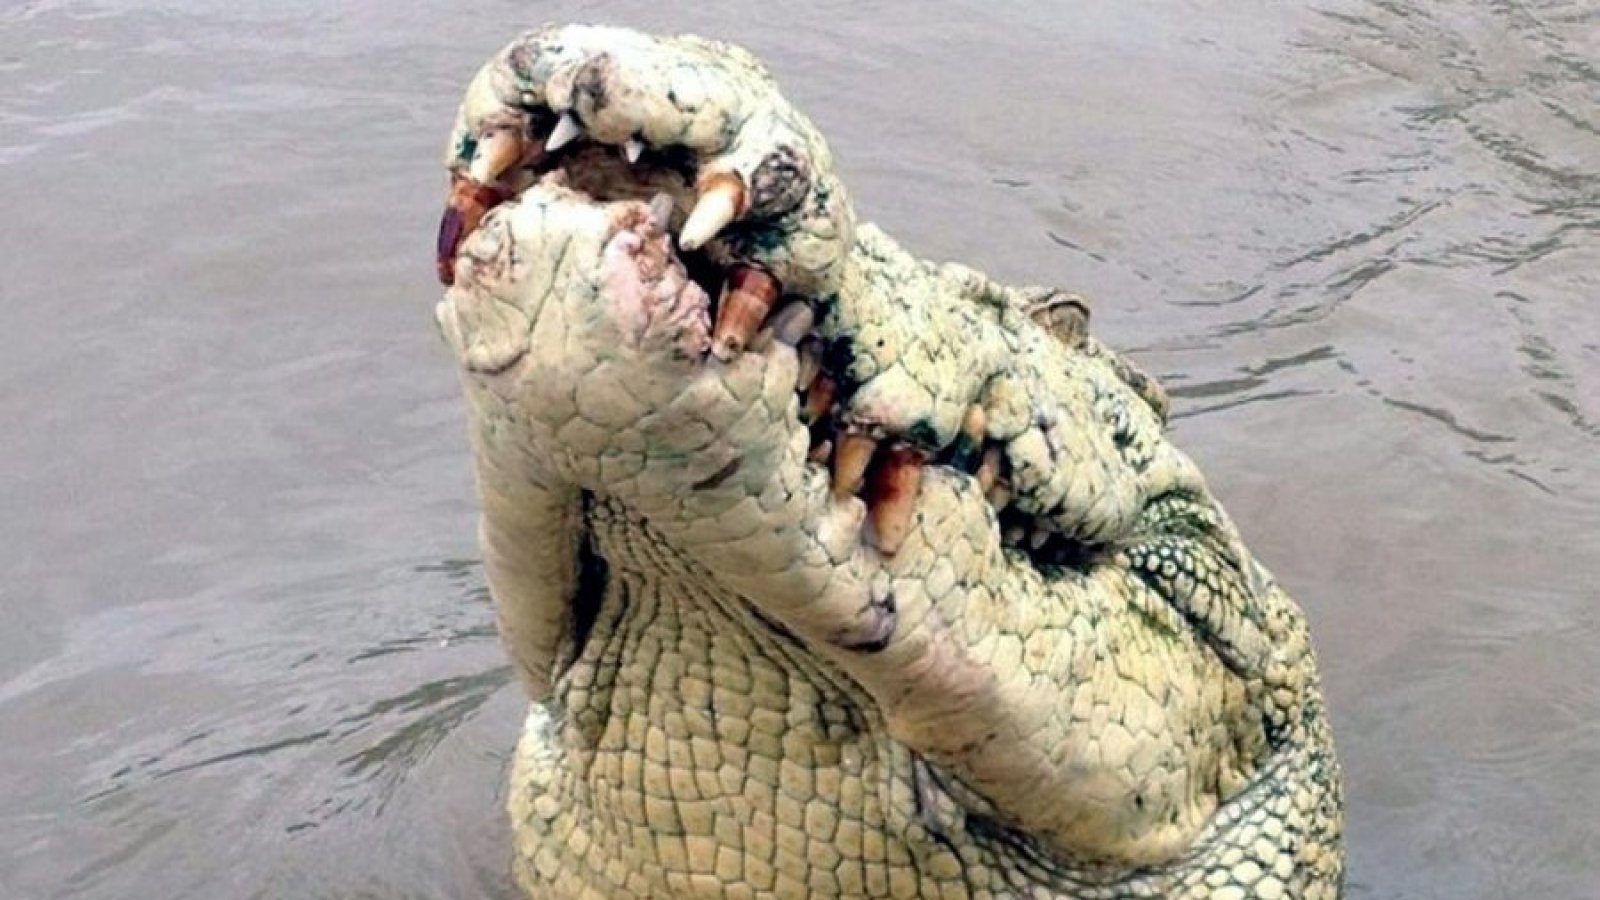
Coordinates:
832 571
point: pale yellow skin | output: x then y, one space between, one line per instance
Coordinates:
736 693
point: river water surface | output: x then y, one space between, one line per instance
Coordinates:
246 649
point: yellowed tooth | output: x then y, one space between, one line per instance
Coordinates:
999 496
566 131
968 445
746 299
989 469
819 453
891 496
850 463
1038 538
975 424
469 202
721 201
497 151
810 353
818 400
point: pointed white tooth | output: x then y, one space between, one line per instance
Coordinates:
633 148
497 151
566 131
720 203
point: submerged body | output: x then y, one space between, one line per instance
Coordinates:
905 594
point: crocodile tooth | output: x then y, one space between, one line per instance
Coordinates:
496 152
891 496
721 201
661 210
851 461
819 453
789 325
793 322
974 427
452 229
810 353
818 399
1038 538
975 424
566 131
1013 535
633 149
999 495
747 297
989 469
469 202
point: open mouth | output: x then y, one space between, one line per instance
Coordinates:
506 158
691 208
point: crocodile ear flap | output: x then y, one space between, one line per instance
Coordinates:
1065 315
487 335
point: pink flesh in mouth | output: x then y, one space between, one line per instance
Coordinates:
651 295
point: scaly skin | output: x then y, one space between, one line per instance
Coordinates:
1069 678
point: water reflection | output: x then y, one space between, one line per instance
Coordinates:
439 708
312 741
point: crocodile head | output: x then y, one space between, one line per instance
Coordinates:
833 571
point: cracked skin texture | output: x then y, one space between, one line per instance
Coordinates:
1068 680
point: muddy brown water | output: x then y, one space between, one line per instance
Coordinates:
245 648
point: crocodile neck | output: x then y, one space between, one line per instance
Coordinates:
689 726
673 651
